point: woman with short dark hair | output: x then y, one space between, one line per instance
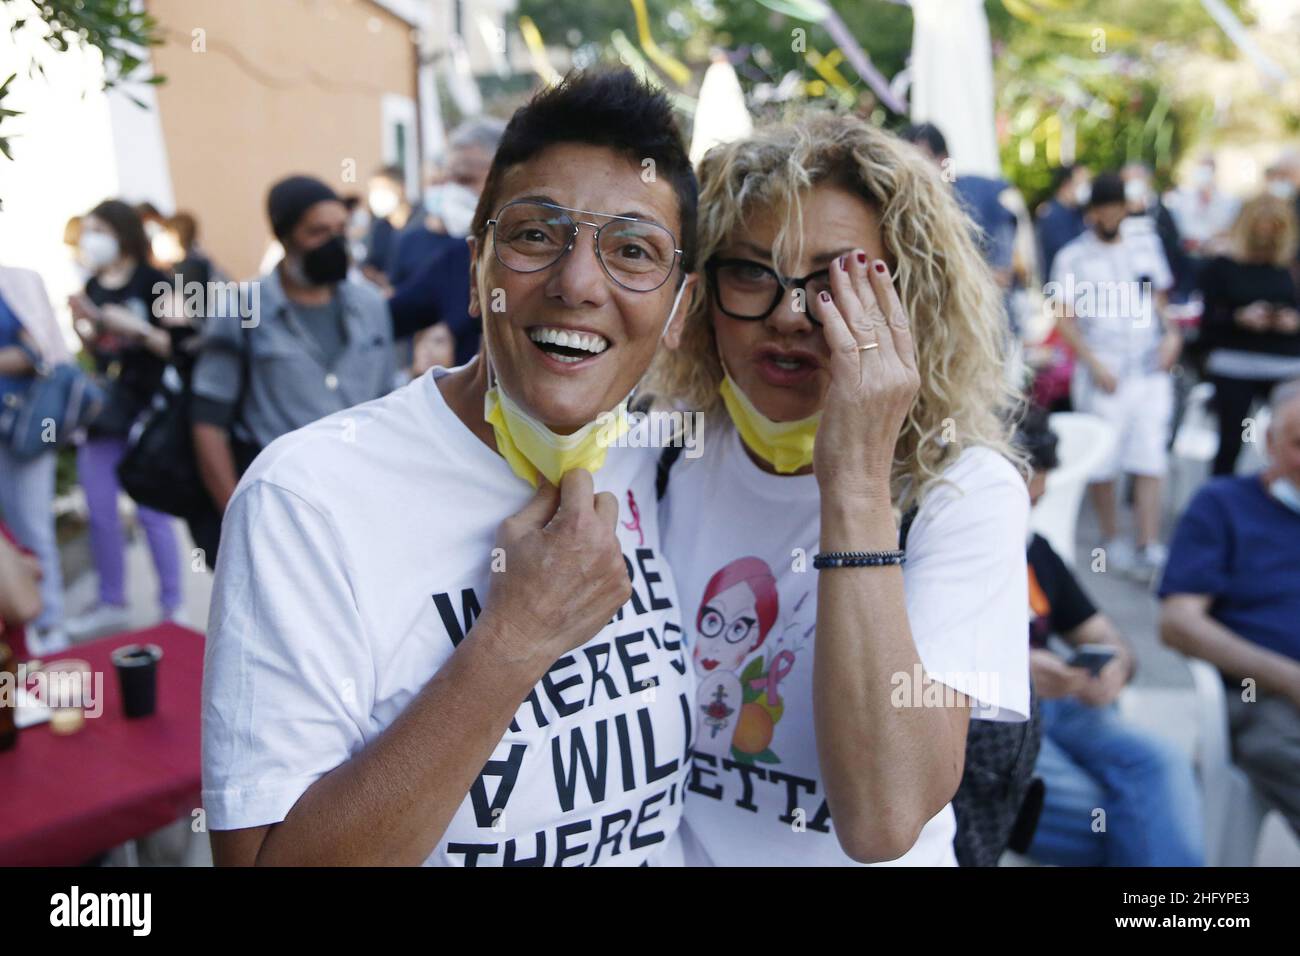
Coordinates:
420 649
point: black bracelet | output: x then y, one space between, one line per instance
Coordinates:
856 559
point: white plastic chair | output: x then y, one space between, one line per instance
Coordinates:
1234 809
1084 442
1196 722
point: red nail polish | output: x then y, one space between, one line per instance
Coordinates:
824 296
880 266
862 257
843 261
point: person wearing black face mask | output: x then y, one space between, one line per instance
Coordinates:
302 342
1110 289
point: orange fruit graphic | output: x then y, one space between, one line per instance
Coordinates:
753 730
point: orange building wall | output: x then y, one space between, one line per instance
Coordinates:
285 86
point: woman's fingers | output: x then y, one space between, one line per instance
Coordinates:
899 327
844 348
875 317
854 297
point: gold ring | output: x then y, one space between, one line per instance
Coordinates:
868 348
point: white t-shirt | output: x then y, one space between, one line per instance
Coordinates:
741 542
354 557
1111 287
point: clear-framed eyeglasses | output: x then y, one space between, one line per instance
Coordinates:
529 236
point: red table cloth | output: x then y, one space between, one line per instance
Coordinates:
65 799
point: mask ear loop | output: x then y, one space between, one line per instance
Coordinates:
671 315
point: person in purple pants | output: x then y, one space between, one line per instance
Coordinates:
119 318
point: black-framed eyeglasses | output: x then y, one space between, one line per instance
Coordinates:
749 290
529 236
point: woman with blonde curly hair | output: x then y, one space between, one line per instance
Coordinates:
834 681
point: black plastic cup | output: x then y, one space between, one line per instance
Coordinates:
137 671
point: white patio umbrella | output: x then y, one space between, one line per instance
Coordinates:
460 78
720 112
952 80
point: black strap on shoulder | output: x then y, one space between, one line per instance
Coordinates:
666 459
905 526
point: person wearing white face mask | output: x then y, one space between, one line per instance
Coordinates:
1147 213
1059 218
432 262
1231 596
390 213
1201 211
119 319
450 199
515 689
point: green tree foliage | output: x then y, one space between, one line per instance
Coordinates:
121 34
1096 68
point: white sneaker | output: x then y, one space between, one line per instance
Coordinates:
1151 559
44 641
1120 556
101 619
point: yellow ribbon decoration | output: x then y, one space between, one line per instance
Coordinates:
676 70
1023 10
537 51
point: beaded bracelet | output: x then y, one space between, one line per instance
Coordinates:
856 559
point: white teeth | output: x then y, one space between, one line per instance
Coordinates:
789 364
586 341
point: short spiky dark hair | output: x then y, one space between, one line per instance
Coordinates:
604 107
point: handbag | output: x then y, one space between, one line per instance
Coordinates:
58 404
159 469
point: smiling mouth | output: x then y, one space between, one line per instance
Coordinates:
567 345
708 663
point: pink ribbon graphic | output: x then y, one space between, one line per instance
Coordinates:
782 664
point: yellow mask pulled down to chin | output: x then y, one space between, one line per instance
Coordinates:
530 448
786 446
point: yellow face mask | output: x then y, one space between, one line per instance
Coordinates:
786 446
529 447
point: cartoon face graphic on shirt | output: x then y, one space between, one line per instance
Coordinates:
738 609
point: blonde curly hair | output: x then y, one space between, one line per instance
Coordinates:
955 307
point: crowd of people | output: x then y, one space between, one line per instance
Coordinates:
396 462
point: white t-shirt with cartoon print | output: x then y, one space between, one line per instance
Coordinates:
741 543
355 555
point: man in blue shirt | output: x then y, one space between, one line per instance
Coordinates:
1231 596
979 197
1060 217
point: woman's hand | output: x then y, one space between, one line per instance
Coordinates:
122 321
874 380
1254 317
82 307
1286 320
561 574
1171 346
